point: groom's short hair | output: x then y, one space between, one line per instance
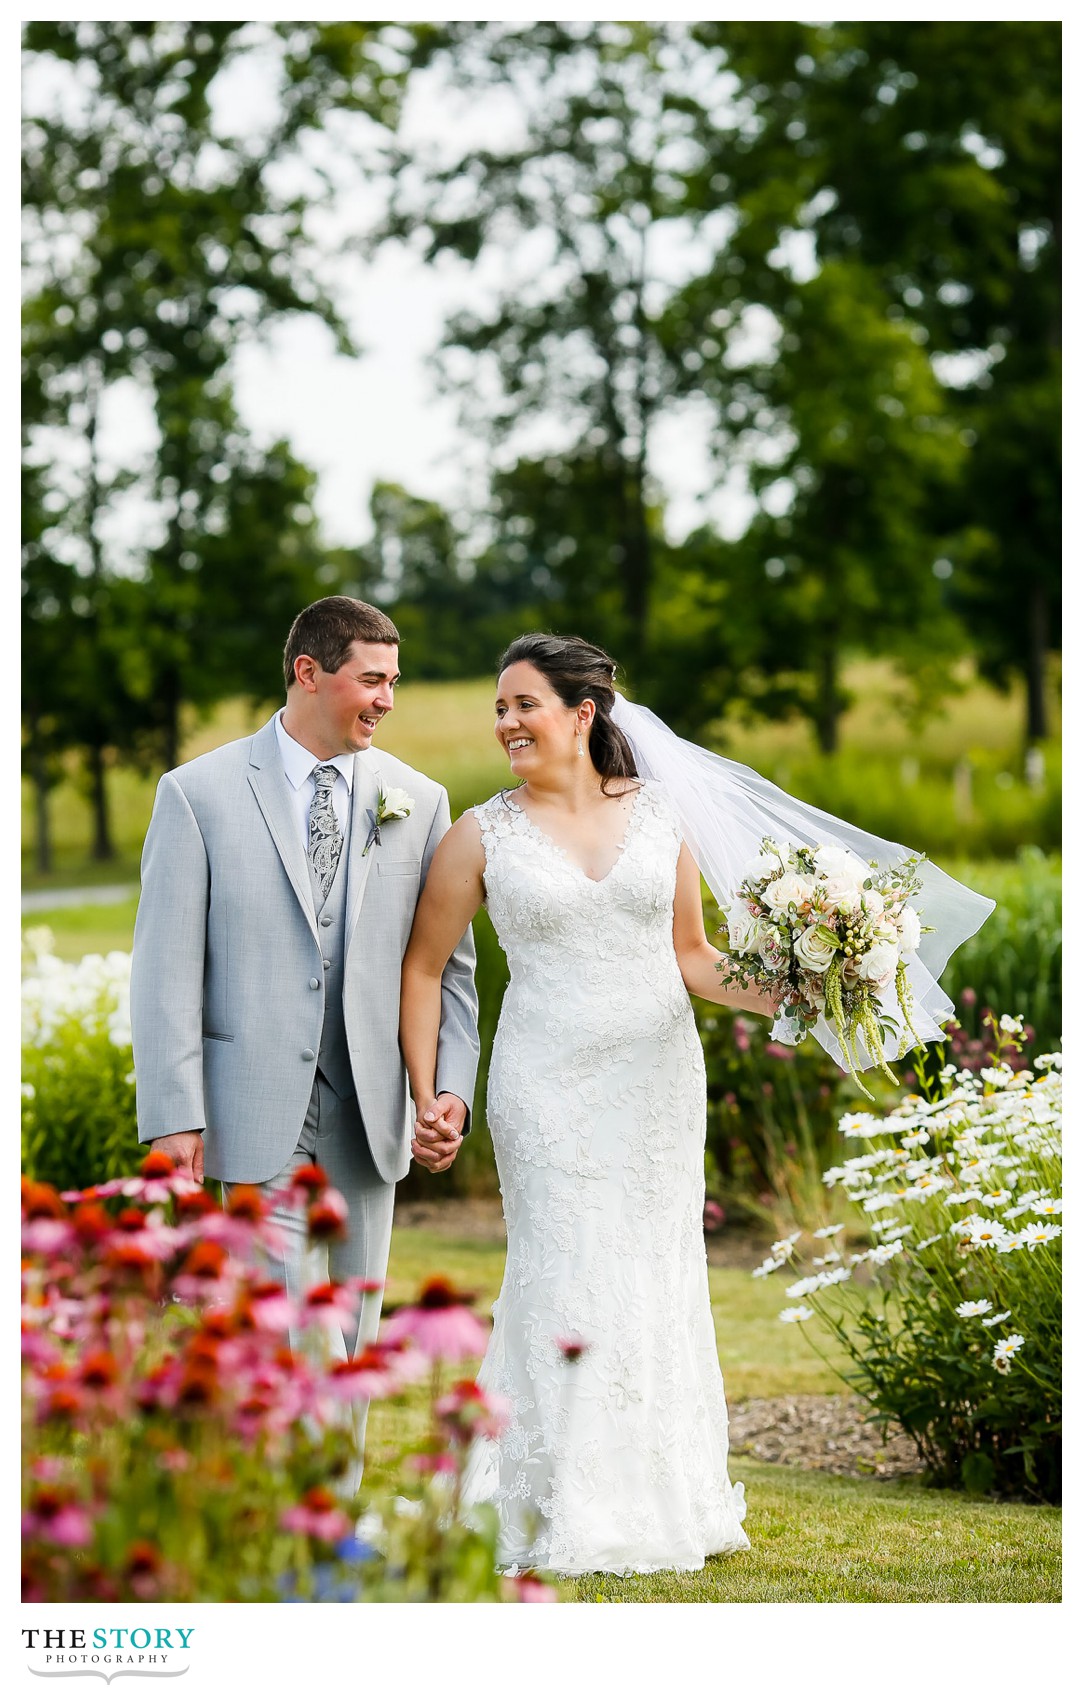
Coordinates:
327 630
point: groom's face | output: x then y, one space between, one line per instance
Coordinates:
354 700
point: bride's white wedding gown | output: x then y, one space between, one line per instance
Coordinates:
614 1460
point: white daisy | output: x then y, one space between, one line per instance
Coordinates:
796 1313
973 1307
995 1321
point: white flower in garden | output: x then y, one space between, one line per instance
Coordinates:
933 1239
913 1140
994 1321
1008 1347
784 1247
828 1232
796 1313
769 1264
948 1071
884 1253
860 1124
899 1232
1048 1059
831 1277
996 1199
973 1307
881 1201
814 949
1011 1242
1047 1207
1011 1024
1039 1233
983 1230
829 1257
999 1076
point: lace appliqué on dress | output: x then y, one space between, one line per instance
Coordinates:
597 1106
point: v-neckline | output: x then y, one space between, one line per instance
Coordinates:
622 847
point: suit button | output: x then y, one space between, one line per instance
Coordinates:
325 920
313 985
327 962
308 1056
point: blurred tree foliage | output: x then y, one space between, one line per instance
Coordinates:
928 155
156 241
838 242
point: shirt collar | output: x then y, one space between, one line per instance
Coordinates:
299 762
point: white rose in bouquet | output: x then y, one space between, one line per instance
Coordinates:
741 927
832 862
874 903
772 954
879 964
791 888
769 862
814 948
909 929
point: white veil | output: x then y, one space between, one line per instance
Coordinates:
725 809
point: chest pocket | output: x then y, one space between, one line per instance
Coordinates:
398 869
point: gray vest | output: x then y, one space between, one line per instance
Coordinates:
334 1058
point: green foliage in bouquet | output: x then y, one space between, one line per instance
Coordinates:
951 1316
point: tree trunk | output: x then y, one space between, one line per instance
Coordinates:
1037 643
39 775
102 848
828 704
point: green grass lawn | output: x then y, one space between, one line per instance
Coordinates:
815 1537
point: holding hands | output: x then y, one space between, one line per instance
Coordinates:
438 1133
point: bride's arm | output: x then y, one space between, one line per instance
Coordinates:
698 962
450 898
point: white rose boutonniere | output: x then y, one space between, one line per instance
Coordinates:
392 804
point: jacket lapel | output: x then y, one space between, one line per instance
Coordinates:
268 782
366 791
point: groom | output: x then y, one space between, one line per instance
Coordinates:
279 880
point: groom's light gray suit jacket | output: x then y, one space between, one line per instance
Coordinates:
227 968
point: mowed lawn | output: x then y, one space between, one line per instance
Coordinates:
815 1537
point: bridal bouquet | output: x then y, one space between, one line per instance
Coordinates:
826 934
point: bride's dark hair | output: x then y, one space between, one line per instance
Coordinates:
577 670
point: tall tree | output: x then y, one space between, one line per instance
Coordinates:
158 238
929 152
583 198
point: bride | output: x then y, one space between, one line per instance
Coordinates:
615 1458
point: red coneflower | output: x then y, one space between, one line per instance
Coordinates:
440 1324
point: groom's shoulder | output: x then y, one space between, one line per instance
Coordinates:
214 767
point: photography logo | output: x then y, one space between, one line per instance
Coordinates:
108 1653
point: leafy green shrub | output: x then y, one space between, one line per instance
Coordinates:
78 1083
1014 961
951 1316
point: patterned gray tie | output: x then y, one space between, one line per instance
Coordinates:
324 833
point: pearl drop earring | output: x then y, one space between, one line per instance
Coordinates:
579 740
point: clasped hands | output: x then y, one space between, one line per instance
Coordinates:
438 1133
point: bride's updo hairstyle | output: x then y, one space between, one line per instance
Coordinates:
576 670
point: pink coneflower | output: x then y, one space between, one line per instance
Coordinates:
528 1589
433 1463
377 1372
319 1515
53 1517
440 1323
571 1347
713 1215
328 1214
45 1237
266 1305
468 1410
331 1305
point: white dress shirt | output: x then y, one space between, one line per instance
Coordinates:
300 765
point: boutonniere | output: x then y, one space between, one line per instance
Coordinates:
390 805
